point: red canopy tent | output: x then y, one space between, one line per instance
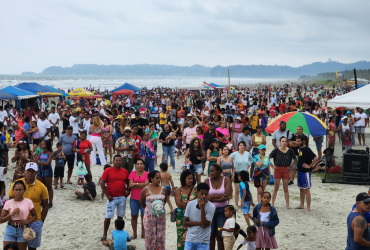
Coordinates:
95 96
124 92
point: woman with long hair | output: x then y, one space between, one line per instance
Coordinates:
258 139
217 120
22 156
154 225
223 129
183 195
96 133
147 152
83 147
107 138
226 162
45 172
35 135
237 130
20 118
194 156
213 153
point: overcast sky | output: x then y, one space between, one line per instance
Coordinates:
42 33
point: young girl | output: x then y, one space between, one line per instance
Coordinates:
331 134
347 141
266 219
81 170
229 226
179 144
250 241
102 193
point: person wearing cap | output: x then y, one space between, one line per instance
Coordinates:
210 134
358 229
141 123
282 131
343 127
125 146
367 214
38 194
185 124
189 132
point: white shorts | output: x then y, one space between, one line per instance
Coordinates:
2 175
118 203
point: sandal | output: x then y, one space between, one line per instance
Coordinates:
103 238
62 187
56 187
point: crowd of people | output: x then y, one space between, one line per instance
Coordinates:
221 137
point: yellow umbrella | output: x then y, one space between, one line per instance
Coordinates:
80 92
49 94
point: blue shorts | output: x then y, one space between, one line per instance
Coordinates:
304 180
168 190
119 203
196 246
45 171
135 207
13 234
198 168
246 207
37 227
319 144
218 220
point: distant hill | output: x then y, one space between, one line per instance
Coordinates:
127 70
257 71
267 71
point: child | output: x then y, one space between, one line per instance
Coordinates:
81 169
250 240
347 141
266 219
59 159
179 144
120 237
166 179
245 194
229 226
89 189
8 137
102 193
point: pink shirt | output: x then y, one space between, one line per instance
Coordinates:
18 134
225 132
189 132
25 206
135 193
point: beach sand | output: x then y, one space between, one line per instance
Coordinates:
76 224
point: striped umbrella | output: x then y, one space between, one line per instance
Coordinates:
311 124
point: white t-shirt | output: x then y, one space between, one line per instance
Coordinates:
86 128
273 100
53 118
228 104
43 125
251 245
73 124
128 103
360 122
102 112
85 122
229 223
43 107
3 114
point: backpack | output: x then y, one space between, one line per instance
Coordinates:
157 207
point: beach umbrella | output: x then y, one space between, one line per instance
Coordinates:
311 124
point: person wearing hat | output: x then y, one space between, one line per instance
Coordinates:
185 124
358 229
141 123
38 194
125 146
343 127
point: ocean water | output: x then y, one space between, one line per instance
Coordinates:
68 82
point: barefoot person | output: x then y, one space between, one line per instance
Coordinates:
358 230
116 179
306 160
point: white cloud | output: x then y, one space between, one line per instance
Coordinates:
38 34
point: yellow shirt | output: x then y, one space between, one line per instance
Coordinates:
254 121
36 192
7 138
108 102
162 115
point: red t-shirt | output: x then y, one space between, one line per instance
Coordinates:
115 180
83 145
282 107
138 141
29 113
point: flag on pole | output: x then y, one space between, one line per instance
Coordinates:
336 74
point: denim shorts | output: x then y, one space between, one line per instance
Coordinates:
218 220
13 234
319 144
45 171
196 246
135 207
119 203
246 207
37 227
198 168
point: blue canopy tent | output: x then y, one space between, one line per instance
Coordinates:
38 89
19 93
216 85
57 90
127 86
5 95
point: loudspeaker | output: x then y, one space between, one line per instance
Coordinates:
356 165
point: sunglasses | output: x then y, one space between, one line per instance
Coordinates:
366 203
22 142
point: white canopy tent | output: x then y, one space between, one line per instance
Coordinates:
357 98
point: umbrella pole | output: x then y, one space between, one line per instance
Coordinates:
228 73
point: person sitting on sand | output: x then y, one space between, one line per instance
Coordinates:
89 190
120 237
327 160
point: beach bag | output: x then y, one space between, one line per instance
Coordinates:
157 207
257 181
28 233
271 179
335 169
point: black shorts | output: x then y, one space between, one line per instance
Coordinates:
213 103
36 141
70 159
59 172
54 132
236 178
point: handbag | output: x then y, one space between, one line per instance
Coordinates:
28 233
176 210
